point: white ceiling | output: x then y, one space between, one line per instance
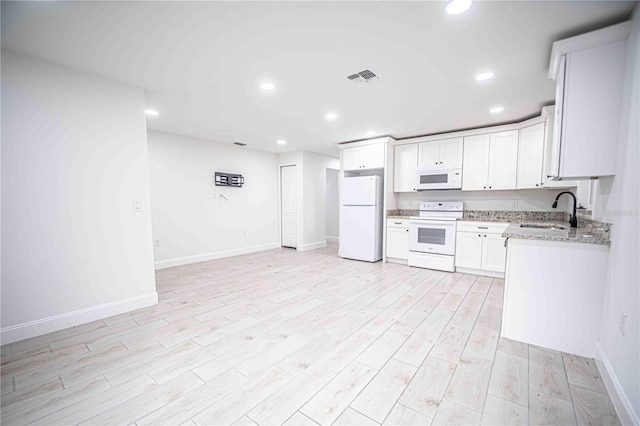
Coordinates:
201 62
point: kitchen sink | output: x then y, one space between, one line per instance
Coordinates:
541 226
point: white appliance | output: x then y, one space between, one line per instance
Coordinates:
361 218
438 178
432 235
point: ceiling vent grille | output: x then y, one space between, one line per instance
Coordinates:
240 144
366 76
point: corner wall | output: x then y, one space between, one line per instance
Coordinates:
74 160
194 220
618 202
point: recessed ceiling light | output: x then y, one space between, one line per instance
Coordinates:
484 76
267 86
496 110
456 7
224 132
282 142
150 112
331 116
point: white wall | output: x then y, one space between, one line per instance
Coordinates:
617 202
332 204
74 159
190 218
528 199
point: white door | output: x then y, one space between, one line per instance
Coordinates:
476 162
503 160
494 253
469 250
530 150
404 171
451 153
289 200
428 154
358 233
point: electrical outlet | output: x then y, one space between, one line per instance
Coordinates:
623 323
156 243
138 205
514 203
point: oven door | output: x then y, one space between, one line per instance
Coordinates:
432 236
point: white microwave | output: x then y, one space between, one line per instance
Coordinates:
438 178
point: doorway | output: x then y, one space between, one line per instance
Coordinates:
289 206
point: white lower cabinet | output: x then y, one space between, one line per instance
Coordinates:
397 240
480 248
553 294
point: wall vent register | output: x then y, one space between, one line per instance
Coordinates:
228 179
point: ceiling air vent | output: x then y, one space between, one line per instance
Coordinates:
366 76
240 144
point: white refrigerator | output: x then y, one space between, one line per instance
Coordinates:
361 218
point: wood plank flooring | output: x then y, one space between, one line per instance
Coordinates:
301 338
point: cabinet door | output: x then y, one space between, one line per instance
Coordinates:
554 166
547 172
475 163
503 160
351 159
494 253
372 156
428 153
404 168
469 250
530 156
398 242
451 153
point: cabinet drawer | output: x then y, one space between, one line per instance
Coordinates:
485 227
398 223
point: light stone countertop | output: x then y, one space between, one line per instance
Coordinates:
588 235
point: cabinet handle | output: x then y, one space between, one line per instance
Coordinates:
483 227
505 242
479 235
484 187
398 223
537 184
407 230
485 235
490 187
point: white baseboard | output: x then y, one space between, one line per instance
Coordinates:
178 261
312 246
332 239
42 326
480 272
623 406
399 261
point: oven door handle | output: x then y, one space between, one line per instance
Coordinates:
430 222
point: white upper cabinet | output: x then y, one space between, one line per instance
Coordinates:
363 157
503 160
404 167
490 161
530 156
441 153
475 163
589 73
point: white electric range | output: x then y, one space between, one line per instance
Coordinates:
432 235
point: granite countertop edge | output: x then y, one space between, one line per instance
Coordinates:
582 235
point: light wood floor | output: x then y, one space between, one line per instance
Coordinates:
282 337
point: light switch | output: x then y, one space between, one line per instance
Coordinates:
138 205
